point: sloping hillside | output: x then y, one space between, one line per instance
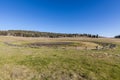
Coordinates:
24 33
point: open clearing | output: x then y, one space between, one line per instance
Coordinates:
59 58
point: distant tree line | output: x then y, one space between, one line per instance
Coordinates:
24 33
118 36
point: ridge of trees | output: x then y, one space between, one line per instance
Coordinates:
25 33
118 36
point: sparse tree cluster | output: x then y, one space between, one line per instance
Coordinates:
23 33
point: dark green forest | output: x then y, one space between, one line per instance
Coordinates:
25 33
118 36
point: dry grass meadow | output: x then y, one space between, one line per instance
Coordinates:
59 58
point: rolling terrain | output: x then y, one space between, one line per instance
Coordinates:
27 58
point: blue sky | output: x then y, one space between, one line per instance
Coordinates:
63 16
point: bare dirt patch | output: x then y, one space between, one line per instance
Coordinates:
50 44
